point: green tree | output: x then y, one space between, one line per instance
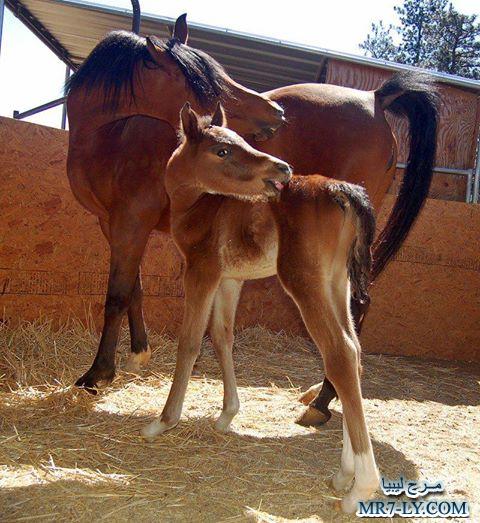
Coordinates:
458 50
379 43
431 34
418 21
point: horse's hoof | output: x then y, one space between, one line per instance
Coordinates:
137 360
309 395
313 417
155 428
95 378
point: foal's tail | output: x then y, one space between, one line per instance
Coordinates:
410 94
354 201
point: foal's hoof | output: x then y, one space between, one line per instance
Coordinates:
313 417
309 395
155 428
95 378
137 360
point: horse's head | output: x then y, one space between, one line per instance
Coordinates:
185 73
217 160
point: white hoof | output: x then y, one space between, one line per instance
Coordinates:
138 360
349 503
154 429
342 480
362 490
223 422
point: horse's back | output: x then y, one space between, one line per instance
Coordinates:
336 131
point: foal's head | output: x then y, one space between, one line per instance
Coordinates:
217 160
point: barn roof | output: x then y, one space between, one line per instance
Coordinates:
71 28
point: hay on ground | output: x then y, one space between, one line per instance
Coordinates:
69 456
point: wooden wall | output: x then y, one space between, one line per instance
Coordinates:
458 126
54 263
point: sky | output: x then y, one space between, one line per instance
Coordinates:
31 75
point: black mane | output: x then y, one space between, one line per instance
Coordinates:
112 65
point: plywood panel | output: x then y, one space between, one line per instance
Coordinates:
458 127
451 187
54 263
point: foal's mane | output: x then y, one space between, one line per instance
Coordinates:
113 64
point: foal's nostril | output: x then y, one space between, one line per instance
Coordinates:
279 112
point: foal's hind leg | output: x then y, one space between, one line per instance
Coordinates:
221 331
328 322
128 238
319 396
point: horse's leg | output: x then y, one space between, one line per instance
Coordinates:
330 326
319 396
128 238
141 353
140 349
221 331
199 294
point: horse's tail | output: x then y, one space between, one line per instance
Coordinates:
410 94
354 201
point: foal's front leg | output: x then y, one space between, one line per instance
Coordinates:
199 293
221 332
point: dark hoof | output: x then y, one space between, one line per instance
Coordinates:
313 417
95 378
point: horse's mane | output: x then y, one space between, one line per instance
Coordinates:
112 66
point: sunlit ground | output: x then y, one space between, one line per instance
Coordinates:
69 456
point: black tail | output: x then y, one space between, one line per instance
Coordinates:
413 95
354 198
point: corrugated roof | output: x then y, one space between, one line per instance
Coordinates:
71 28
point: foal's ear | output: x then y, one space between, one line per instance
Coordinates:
180 31
190 123
218 117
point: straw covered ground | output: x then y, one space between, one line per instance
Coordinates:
69 456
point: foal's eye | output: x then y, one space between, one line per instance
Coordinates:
222 153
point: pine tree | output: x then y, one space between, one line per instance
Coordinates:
379 43
418 19
433 35
458 51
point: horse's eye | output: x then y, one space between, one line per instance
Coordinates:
222 153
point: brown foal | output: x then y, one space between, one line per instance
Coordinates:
315 233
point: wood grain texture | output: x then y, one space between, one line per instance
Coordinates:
452 187
54 263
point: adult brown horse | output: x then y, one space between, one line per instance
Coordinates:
123 106
123 111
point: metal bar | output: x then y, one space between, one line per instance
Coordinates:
468 196
63 124
39 30
443 170
49 105
476 176
136 16
2 11
272 44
